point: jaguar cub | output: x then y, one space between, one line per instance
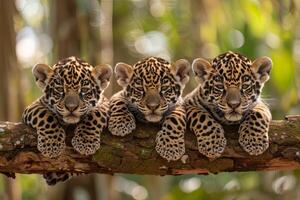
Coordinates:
72 95
229 93
152 93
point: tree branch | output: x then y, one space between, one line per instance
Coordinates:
135 154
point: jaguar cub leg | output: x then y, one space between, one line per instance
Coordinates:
52 178
86 139
254 130
210 134
51 136
121 121
170 139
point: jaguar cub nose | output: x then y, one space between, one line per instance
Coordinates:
234 104
152 105
71 107
152 100
71 103
233 97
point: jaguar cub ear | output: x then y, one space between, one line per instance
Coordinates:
201 68
124 73
262 67
42 73
180 70
102 74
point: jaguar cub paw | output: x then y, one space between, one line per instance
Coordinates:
254 145
170 149
121 125
212 146
49 148
85 146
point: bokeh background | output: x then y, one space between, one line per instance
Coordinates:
104 31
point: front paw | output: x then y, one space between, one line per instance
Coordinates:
212 146
254 145
50 148
121 125
171 149
85 146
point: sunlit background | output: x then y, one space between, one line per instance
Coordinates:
33 31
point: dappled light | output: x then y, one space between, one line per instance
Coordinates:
190 185
131 188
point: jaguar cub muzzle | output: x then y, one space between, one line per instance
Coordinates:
71 103
152 103
233 100
233 97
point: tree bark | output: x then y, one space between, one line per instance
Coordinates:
135 154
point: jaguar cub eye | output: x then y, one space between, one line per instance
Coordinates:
218 78
60 89
138 81
164 81
164 88
138 93
246 78
85 82
84 90
220 87
58 81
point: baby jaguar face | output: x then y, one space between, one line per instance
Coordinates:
72 87
153 85
231 84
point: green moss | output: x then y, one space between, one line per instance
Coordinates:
147 143
294 127
105 156
117 145
145 153
142 134
147 167
3 132
220 165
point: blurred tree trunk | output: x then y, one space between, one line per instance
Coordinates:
196 44
106 182
11 100
11 95
106 39
65 29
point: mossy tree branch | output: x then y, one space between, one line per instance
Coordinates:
135 153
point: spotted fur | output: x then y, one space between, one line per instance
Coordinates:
229 93
152 94
72 96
